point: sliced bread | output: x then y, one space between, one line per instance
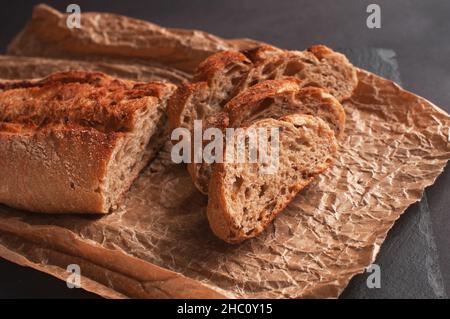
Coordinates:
213 85
270 99
225 74
318 66
243 200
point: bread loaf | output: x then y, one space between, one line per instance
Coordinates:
75 141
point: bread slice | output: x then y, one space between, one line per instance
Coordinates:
225 74
75 141
318 66
271 99
214 84
200 172
277 98
243 200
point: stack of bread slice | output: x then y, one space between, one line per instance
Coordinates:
299 93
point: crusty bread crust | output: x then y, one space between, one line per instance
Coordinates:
251 67
213 67
59 136
261 53
223 218
76 97
254 94
56 169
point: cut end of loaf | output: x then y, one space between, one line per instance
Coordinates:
134 151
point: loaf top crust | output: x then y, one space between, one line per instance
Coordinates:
208 69
76 98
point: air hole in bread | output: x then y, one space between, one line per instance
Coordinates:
249 233
303 141
237 183
233 69
270 207
308 61
187 119
292 68
235 81
263 190
262 106
270 67
247 193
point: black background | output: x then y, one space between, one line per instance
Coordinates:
418 31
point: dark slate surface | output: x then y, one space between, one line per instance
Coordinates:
415 259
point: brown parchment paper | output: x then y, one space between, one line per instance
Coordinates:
14 67
159 243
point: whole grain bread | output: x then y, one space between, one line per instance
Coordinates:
243 200
225 74
74 141
270 99
318 66
277 98
215 83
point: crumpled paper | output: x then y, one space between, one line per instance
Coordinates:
159 243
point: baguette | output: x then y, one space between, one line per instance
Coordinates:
243 200
74 141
